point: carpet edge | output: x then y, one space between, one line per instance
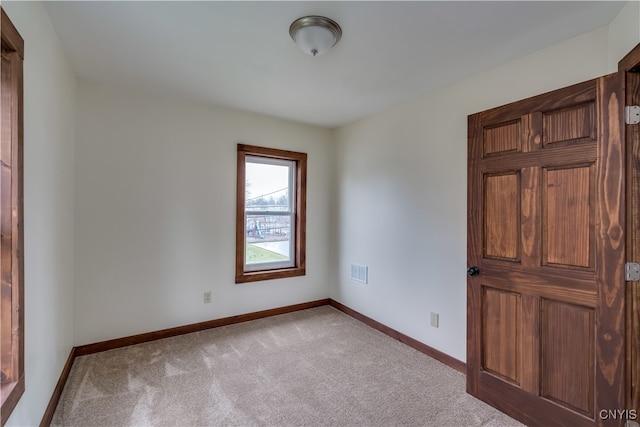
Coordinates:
450 361
196 327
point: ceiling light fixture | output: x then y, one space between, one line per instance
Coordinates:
315 34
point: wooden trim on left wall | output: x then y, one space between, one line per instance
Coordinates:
12 365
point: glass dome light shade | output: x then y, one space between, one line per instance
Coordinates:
315 34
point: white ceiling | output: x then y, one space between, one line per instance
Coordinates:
239 54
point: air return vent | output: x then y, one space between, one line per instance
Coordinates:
360 273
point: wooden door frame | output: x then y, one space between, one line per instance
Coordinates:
630 66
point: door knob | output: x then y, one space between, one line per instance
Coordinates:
473 271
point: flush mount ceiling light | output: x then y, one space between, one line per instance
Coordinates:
315 34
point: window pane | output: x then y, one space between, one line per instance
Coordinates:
271 217
267 186
268 239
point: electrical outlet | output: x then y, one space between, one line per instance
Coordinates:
207 297
435 320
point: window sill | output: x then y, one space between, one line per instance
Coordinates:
11 393
256 276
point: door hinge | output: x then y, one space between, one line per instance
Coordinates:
632 272
632 114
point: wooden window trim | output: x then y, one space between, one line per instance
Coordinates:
299 268
11 155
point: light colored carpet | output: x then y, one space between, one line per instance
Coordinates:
317 367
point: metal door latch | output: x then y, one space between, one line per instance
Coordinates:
632 272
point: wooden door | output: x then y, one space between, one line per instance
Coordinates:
630 65
545 312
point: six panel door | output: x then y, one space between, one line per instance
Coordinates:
545 228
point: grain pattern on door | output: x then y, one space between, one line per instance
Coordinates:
630 66
545 315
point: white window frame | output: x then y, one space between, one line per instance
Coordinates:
291 213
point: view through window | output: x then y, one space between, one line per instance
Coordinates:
269 206
270 223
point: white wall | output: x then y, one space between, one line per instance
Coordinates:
402 190
624 33
49 109
147 195
155 213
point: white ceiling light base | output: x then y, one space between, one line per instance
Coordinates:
315 34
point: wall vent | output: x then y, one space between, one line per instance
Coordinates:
360 273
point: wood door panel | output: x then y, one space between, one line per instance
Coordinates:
502 201
611 256
540 412
577 94
529 217
545 316
530 343
568 353
580 292
501 348
551 157
569 125
567 196
503 138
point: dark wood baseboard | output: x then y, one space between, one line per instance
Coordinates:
194 327
411 342
57 392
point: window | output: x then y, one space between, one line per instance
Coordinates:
270 215
11 242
